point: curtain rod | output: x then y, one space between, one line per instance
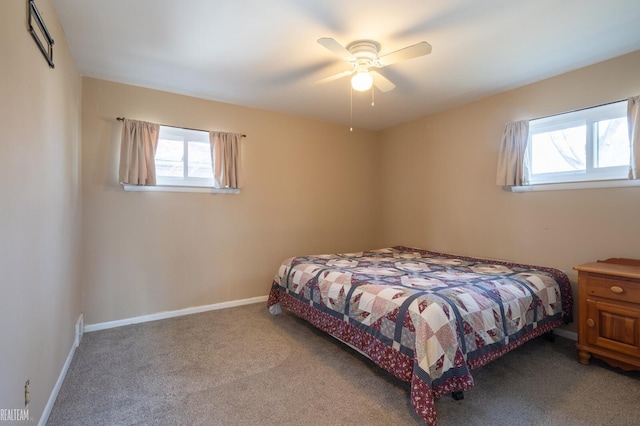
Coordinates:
177 127
579 109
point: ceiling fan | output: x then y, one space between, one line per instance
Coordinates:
362 55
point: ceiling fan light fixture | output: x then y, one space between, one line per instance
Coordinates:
362 81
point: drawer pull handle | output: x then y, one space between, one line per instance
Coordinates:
617 290
591 323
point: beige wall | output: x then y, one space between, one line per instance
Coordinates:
439 188
40 217
310 187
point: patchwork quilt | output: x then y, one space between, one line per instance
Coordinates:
428 318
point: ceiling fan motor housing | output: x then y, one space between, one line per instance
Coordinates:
365 51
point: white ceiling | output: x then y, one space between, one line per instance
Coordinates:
264 54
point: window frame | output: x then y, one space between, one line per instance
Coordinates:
588 117
186 135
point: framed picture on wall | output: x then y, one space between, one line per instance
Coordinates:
40 33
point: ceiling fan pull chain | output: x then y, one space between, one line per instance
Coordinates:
350 108
373 91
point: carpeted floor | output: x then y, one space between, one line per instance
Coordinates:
241 366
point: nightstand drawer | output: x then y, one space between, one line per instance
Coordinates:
613 288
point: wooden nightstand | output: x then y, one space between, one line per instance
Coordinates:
609 312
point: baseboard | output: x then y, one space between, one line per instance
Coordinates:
63 373
566 334
171 314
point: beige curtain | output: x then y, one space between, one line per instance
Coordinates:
633 121
226 159
137 152
511 159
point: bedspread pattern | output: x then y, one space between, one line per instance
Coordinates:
425 317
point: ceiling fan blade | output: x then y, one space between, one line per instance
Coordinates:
334 77
382 82
418 49
336 48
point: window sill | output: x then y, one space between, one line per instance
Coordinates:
574 185
175 188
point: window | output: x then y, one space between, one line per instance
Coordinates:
183 158
586 145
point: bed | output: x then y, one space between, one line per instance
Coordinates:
427 318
